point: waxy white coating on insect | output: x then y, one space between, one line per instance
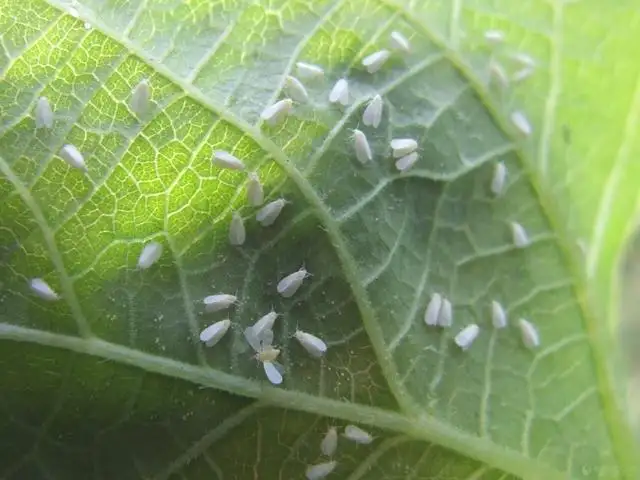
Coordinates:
524 59
219 301
265 322
268 214
361 144
432 312
213 333
223 159
340 92
43 290
255 192
290 284
499 178
405 163
276 113
150 254
494 36
73 157
295 89
329 443
498 74
258 340
357 435
237 232
520 236
399 42
272 372
530 335
403 146
320 470
308 70
521 122
376 60
312 344
445 318
44 114
372 115
467 336
498 315
140 97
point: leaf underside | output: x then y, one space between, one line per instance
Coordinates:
112 382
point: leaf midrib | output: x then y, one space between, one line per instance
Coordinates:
620 435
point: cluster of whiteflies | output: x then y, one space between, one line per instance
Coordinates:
329 445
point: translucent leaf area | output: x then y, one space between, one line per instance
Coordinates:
111 381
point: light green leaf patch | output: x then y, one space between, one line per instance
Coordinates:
112 382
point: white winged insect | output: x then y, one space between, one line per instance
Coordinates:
43 290
224 159
255 192
214 333
290 284
140 97
445 318
465 338
403 146
530 335
70 154
340 92
498 74
519 235
329 443
260 334
521 123
219 301
149 255
312 344
267 355
432 312
498 315
357 435
376 60
295 89
405 163
361 145
499 178
320 470
268 214
309 71
494 37
44 113
399 42
237 231
372 114
276 113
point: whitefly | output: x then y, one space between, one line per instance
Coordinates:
372 114
149 255
43 290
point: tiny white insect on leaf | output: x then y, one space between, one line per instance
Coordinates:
268 214
498 315
530 335
361 144
255 192
357 435
498 74
432 312
309 71
295 89
494 36
272 372
524 59
70 154
224 159
445 318
150 254
43 290
340 92
44 114
329 443
265 322
520 236
213 333
320 470
399 42
268 354
219 301
522 74
521 122
290 284
237 232
403 146
467 336
140 97
276 113
312 344
252 339
376 60
499 178
372 115
407 162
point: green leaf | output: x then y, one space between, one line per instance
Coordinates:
112 382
